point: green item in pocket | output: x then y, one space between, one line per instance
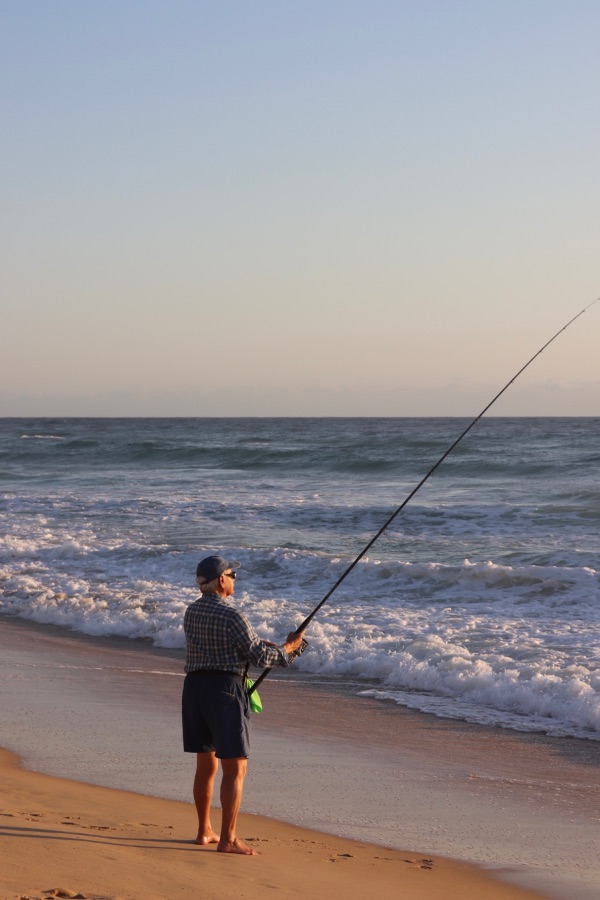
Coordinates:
255 701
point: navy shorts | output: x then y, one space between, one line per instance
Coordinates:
215 714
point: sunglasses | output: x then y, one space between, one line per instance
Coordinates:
232 575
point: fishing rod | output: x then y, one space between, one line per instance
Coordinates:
389 521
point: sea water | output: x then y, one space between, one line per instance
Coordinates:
480 602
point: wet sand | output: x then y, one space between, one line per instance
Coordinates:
66 839
106 712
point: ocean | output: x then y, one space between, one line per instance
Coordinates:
481 602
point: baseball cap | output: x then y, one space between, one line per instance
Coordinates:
211 567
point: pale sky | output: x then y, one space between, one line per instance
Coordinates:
326 207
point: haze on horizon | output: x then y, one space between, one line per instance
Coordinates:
331 208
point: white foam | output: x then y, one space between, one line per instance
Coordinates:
515 645
91 541
41 437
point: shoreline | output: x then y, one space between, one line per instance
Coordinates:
82 849
522 805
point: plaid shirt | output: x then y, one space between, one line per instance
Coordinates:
218 636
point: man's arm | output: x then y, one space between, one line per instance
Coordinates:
263 654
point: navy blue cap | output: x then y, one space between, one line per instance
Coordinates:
211 567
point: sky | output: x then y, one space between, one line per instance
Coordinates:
324 207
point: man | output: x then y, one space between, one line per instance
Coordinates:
220 645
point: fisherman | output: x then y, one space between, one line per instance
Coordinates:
220 646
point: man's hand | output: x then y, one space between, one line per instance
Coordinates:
294 639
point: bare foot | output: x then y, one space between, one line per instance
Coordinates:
208 838
237 845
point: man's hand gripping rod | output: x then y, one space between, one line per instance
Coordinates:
389 521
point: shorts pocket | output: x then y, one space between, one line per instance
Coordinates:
226 698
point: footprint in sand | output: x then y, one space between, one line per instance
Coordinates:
421 863
64 892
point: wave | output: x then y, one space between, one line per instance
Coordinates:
379 447
518 645
481 601
42 437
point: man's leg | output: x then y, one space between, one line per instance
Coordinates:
206 769
232 786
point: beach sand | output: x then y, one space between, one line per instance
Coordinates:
360 777
63 838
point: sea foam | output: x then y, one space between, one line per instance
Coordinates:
481 601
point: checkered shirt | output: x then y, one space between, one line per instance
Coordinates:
219 636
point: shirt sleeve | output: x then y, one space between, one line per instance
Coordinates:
257 652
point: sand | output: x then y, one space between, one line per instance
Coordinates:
360 777
65 839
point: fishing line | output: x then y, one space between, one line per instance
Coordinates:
389 521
